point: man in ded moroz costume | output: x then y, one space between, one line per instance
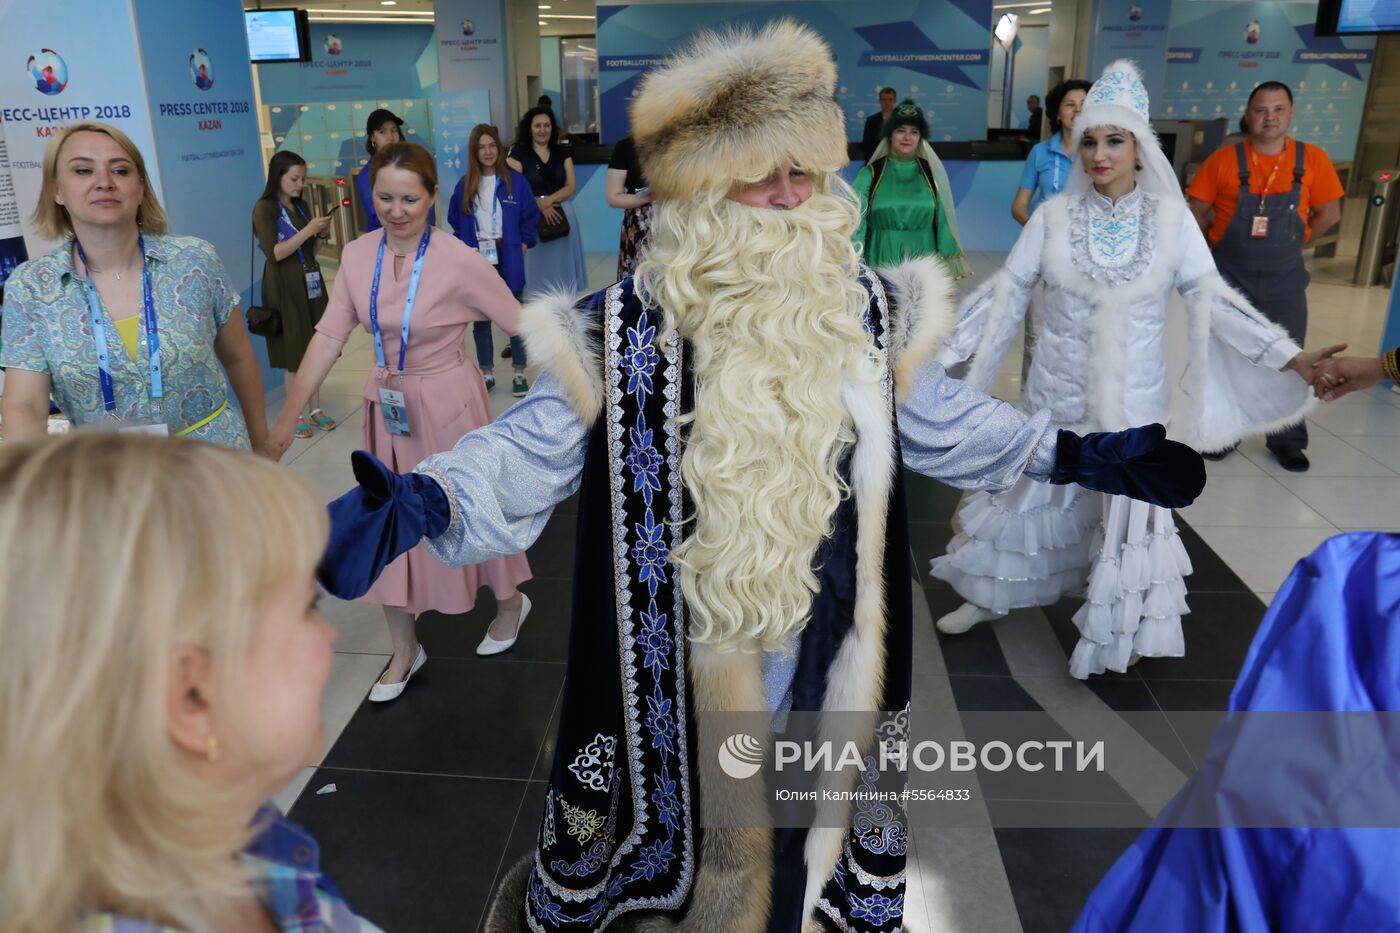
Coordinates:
733 417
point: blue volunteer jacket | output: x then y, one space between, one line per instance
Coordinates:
519 215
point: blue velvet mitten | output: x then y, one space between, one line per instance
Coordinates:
1139 462
386 515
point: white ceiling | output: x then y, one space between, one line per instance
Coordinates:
559 18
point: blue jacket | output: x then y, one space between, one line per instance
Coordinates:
1331 642
367 202
519 215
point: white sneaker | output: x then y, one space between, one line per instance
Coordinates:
382 693
965 617
490 646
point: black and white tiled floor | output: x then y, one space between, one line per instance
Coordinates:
436 793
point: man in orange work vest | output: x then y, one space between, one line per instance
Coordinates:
1259 202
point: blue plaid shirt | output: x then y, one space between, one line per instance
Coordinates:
285 865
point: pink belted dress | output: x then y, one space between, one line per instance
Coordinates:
442 388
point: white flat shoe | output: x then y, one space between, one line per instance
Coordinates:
965 617
382 693
490 646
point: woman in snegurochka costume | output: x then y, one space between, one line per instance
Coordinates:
906 200
1110 250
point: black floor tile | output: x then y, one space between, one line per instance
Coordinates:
975 651
545 761
525 835
552 554
1191 695
1218 631
1053 871
544 636
411 852
928 499
480 717
999 694
929 540
1209 574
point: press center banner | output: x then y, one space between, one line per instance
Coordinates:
934 51
471 52
65 66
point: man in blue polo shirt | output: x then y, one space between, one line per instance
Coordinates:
1050 161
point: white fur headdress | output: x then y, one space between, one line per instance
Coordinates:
739 105
1119 98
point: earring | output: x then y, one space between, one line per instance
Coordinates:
211 749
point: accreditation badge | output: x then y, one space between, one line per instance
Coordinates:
314 287
488 250
1259 227
391 403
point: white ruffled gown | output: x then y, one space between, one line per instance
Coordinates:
1100 364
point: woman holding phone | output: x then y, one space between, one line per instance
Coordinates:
292 283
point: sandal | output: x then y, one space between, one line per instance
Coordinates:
323 421
303 429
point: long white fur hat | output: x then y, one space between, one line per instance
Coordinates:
1117 98
738 105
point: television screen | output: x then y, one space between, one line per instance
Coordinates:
1357 17
277 36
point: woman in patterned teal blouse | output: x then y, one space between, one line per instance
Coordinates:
151 712
157 308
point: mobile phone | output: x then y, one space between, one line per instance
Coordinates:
333 208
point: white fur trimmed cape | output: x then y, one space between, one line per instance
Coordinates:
1113 349
723 881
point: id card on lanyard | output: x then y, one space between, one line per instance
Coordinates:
104 360
486 245
285 231
391 403
1259 223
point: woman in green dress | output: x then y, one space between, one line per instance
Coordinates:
906 202
292 283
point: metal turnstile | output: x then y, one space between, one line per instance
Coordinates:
320 194
1378 232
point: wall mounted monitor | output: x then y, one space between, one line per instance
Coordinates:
278 36
1357 17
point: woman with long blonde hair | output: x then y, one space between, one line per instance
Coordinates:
151 705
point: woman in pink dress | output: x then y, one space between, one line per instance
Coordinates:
420 399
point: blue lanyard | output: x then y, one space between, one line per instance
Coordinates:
407 304
293 228
99 332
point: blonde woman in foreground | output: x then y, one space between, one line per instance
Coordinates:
149 711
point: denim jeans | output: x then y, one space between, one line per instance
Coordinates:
486 347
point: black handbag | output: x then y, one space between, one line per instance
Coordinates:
263 320
547 231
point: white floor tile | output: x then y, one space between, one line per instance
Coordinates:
1385 450
1358 503
1364 416
1234 464
1262 557
1251 502
1329 455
